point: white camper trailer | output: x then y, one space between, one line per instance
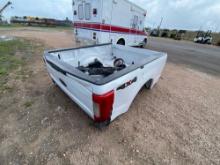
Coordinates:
104 21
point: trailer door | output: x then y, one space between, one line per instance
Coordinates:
81 11
135 26
106 19
87 7
84 10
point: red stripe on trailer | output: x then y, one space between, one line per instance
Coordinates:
108 28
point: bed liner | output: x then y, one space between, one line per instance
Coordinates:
66 68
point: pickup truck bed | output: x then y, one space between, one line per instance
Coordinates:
104 79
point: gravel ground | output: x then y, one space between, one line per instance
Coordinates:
178 122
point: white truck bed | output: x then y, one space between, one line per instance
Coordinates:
104 96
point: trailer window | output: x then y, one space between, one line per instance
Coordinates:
80 11
88 11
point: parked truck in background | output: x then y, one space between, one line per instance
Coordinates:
103 21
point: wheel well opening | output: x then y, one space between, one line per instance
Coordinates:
121 41
149 83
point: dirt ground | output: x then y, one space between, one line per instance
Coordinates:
178 122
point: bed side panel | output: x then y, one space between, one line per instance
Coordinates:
125 96
78 90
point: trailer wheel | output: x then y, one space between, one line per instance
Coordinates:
121 41
149 84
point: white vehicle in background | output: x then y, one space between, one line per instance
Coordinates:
203 38
103 21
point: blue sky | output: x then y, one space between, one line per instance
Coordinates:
177 14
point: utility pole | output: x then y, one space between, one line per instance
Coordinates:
158 28
3 8
161 21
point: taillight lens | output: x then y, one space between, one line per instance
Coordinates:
102 106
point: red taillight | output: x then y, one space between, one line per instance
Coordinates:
102 106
